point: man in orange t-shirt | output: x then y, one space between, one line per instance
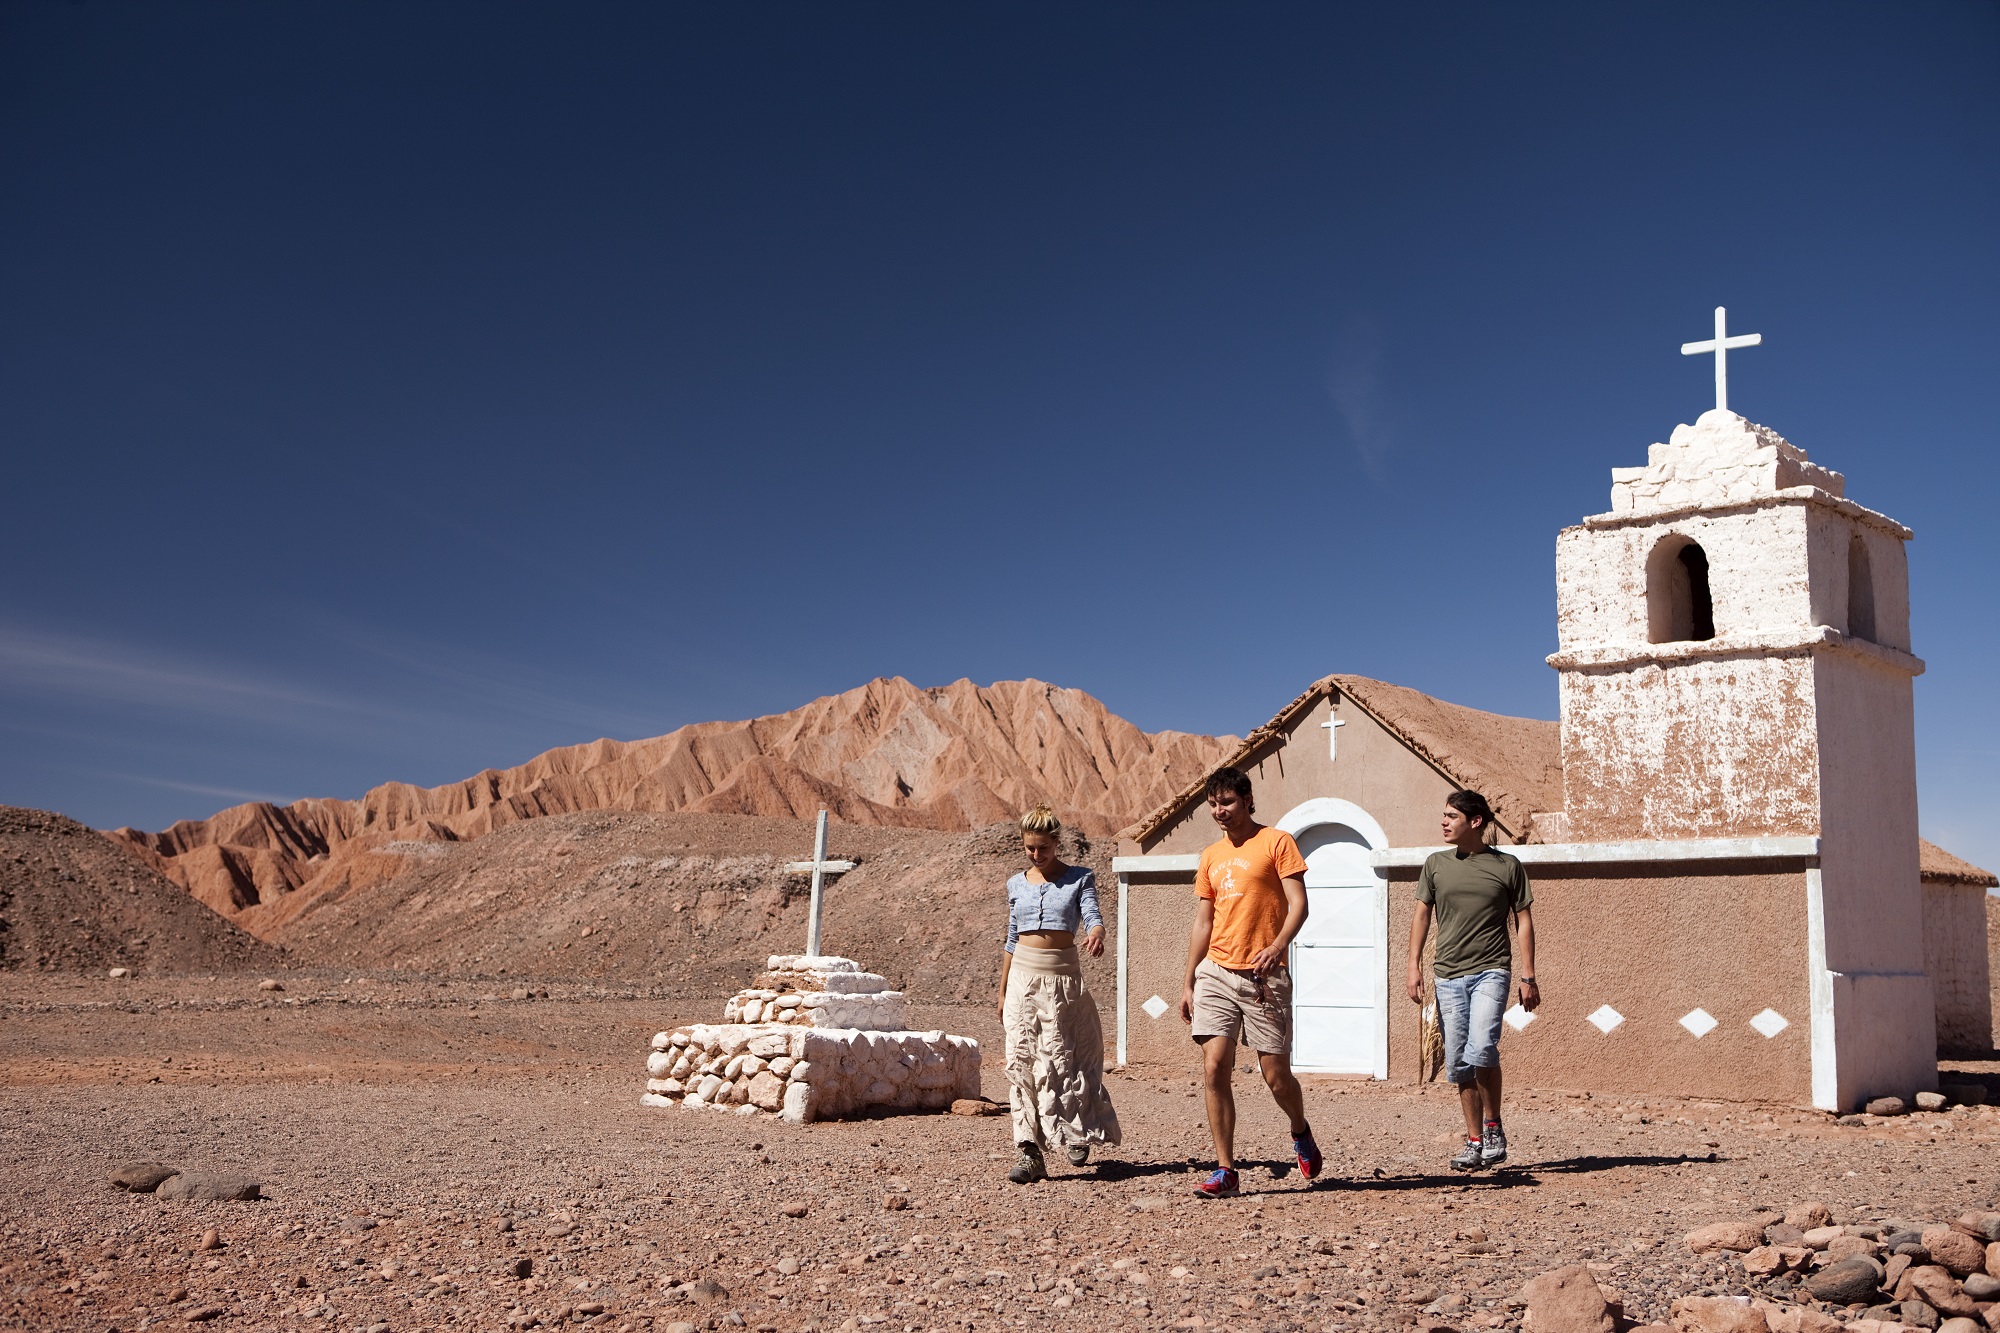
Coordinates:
1252 890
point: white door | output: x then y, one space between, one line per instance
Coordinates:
1338 961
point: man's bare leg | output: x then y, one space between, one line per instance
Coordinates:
1489 1091
1285 1089
1471 1101
1218 1063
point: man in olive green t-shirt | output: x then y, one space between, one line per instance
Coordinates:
1473 890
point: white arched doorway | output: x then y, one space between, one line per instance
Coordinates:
1340 961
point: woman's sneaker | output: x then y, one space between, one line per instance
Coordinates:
1470 1158
1308 1153
1221 1184
1492 1145
1078 1154
1030 1168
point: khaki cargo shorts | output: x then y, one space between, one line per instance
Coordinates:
1233 1005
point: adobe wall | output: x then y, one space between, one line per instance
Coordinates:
1371 768
1160 913
1654 943
1710 747
1955 957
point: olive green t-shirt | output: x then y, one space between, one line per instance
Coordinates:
1472 897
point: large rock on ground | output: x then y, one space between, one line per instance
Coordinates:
1718 1314
1849 1282
209 1185
1567 1300
1742 1235
1935 1287
143 1177
1952 1249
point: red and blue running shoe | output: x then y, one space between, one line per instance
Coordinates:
1221 1184
1310 1158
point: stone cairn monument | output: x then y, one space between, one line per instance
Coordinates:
814 1038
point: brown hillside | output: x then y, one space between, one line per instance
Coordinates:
886 754
72 898
697 901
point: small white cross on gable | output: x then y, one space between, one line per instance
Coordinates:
1721 344
1332 730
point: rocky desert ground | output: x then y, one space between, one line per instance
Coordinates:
422 1051
468 1154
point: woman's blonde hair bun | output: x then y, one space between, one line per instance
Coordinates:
1041 819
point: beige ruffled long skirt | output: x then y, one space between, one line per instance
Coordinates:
1055 1053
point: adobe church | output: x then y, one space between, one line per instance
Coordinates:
1731 898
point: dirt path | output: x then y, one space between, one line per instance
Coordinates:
419 1140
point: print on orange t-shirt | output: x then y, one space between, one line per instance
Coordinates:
1246 884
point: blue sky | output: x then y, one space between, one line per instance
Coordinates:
393 391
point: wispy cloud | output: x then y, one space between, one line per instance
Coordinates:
201 789
1354 381
108 671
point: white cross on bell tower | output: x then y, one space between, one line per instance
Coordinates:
1720 345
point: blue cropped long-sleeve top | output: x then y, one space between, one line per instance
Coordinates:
1068 902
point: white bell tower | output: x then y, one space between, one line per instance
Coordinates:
1734 647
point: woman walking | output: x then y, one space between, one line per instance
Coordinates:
1055 1045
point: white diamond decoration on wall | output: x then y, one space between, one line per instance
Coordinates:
1518 1018
1605 1018
1770 1022
1154 1007
1698 1021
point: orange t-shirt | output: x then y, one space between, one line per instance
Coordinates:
1246 885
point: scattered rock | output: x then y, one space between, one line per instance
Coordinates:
1916 1314
1983 1227
1964 1094
1930 1101
142 1177
1718 1314
1887 1106
1849 1247
119 974
1783 1233
1982 1287
269 983
1764 1261
682 1326
1849 1282
1935 1287
1818 1238
1960 1324
789 1266
1567 1300
1954 1250
1806 1216
1739 1235
208 1185
211 1239
793 1210
203 1315
895 1203
523 1267
706 1291
977 1106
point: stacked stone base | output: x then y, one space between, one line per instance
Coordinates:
803 1073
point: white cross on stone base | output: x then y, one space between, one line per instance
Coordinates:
820 868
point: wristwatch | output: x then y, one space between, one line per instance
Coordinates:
1529 980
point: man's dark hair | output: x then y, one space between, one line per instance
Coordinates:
1230 779
1472 805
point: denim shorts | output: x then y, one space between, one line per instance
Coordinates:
1469 1008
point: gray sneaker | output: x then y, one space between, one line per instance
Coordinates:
1470 1157
1493 1146
1078 1154
1030 1168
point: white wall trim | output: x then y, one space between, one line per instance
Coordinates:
1155 865
1124 959
1819 988
1332 810
1608 853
